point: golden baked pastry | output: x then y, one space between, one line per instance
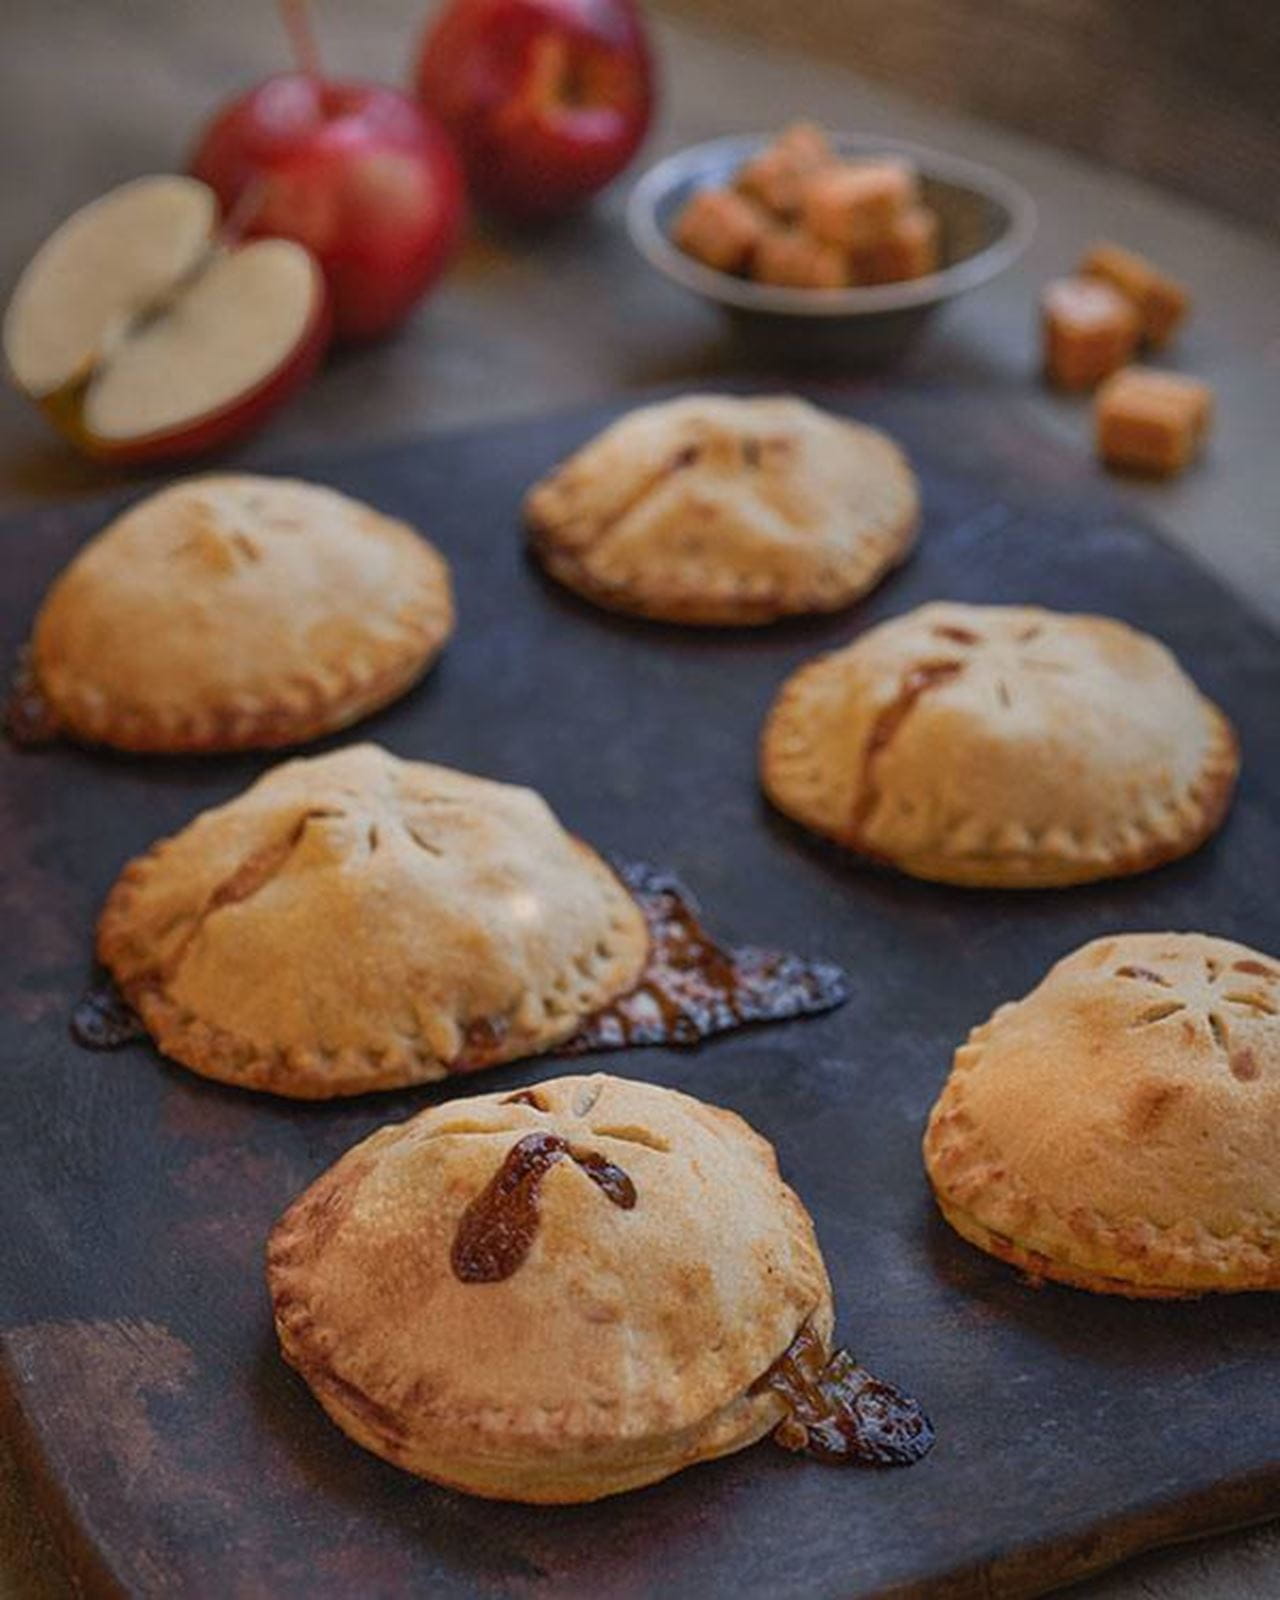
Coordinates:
1001 745
552 1295
1118 1128
355 922
226 612
716 510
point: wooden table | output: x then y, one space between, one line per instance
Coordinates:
97 92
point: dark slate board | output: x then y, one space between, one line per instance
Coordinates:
178 1453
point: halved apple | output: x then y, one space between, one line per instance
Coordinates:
142 334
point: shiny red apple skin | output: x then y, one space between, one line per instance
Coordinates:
239 417
547 100
358 173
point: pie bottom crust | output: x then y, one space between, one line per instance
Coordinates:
1145 1261
596 1473
533 1472
1039 1267
307 1072
298 1073
311 710
727 602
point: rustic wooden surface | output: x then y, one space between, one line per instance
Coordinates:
96 92
1124 84
1073 1429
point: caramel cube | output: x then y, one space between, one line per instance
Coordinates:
805 145
719 228
910 249
1161 302
854 205
1090 330
791 258
775 176
1151 421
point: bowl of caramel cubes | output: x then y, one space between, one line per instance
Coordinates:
827 244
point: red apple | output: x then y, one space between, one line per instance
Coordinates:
357 173
547 100
143 334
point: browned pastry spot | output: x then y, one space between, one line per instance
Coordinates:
1144 973
525 1097
497 1230
838 1413
1151 1103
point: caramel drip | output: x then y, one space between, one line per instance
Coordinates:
917 681
837 1412
497 1230
1145 974
692 988
482 1042
29 719
103 1019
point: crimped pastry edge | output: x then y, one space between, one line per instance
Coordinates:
725 600
1210 794
315 707
1230 1263
313 1073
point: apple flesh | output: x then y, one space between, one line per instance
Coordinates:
357 173
143 336
103 268
547 100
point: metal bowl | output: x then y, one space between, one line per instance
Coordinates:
987 222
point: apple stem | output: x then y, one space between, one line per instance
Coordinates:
302 38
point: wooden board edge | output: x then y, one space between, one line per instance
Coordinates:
83 1569
1029 1571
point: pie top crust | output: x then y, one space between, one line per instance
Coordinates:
357 922
624 1345
1118 1127
234 611
1001 745
712 509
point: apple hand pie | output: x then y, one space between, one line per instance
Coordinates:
229 612
356 922
716 510
1006 746
1118 1128
569 1291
